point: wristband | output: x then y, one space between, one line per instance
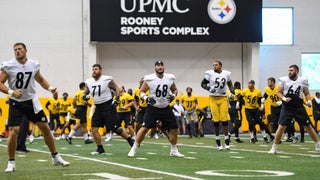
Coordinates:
10 92
284 99
50 88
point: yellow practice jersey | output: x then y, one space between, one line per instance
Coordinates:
64 104
141 102
189 102
272 95
71 110
53 105
124 100
78 98
251 98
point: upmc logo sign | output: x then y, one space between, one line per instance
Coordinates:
167 6
176 20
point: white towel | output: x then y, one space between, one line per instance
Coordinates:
317 100
36 105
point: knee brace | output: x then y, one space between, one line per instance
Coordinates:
216 124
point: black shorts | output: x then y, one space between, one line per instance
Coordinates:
253 115
105 115
165 115
81 113
275 114
126 117
298 113
141 115
18 109
72 121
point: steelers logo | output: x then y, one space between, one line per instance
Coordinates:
222 11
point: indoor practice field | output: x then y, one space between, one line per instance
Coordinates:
152 161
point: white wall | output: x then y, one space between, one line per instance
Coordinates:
57 34
52 32
128 62
275 60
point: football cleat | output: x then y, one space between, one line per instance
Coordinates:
238 140
220 148
252 141
11 166
227 147
31 139
88 141
294 140
266 140
57 160
98 152
176 153
132 151
108 137
273 150
318 146
58 138
69 139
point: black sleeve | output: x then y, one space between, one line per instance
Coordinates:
47 104
265 95
204 84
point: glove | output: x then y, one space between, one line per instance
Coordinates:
237 105
263 100
212 90
309 104
115 103
279 103
151 101
231 96
170 98
86 97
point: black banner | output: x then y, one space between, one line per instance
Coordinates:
176 20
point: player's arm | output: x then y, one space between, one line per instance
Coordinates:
195 104
3 78
3 88
281 96
230 86
44 83
306 93
130 104
112 85
239 101
204 84
74 101
143 89
174 89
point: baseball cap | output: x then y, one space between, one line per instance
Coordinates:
159 62
251 82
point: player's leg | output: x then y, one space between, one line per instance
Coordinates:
249 117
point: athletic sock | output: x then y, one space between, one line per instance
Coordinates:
264 133
72 132
85 136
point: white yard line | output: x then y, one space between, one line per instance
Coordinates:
313 154
121 165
